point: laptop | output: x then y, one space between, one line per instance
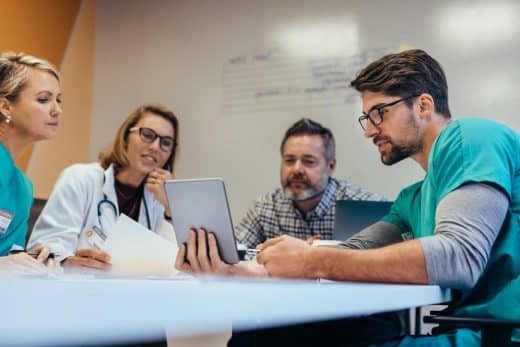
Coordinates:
351 216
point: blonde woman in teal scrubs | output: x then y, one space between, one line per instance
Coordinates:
30 110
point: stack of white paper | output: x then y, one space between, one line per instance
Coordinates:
135 250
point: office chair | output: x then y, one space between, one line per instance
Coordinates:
494 332
36 209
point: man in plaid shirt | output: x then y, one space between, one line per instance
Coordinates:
304 206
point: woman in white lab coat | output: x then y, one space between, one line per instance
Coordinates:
129 178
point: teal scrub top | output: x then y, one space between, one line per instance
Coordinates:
466 151
16 198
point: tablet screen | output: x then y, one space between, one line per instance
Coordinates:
199 203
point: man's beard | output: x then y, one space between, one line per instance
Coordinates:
398 153
305 194
401 151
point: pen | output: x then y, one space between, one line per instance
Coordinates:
251 254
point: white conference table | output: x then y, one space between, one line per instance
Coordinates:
81 310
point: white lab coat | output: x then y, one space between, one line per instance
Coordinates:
72 209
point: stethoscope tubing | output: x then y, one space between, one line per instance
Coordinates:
112 205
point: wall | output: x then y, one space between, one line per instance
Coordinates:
40 28
180 53
72 144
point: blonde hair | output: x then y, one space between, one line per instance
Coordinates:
14 71
116 153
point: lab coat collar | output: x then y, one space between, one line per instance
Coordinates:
109 182
109 191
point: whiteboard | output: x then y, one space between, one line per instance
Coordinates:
238 73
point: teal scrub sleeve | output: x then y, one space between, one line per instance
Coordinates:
476 150
405 209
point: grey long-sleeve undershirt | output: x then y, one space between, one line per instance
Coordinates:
467 223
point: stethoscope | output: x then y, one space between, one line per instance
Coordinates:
114 209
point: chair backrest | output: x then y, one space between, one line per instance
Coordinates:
36 209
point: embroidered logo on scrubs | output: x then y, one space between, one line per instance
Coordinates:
5 219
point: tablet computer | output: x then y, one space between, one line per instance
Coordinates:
199 203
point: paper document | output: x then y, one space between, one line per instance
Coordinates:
135 250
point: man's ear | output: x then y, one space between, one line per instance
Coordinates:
332 165
5 107
426 105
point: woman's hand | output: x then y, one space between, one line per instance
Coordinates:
155 184
200 256
43 253
21 263
88 258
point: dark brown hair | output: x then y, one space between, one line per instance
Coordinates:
411 72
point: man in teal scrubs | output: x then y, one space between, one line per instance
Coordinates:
459 226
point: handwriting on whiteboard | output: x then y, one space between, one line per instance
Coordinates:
271 80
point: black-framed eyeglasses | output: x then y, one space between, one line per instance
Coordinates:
166 143
375 114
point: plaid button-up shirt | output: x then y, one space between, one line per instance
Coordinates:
274 215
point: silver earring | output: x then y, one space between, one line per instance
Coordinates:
8 119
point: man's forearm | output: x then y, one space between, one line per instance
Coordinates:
398 263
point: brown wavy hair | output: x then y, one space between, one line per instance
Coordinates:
116 153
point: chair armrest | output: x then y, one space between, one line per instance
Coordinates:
470 322
495 332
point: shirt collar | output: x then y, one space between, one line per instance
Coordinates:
326 201
108 181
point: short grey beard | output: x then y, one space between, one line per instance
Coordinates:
304 195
